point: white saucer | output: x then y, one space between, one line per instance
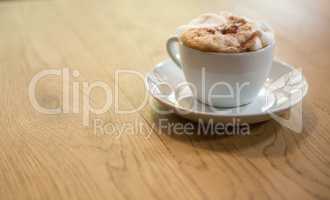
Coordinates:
284 88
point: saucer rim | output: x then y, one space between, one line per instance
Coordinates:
212 114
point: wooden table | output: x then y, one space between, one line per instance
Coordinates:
44 156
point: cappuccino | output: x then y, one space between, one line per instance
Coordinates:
225 33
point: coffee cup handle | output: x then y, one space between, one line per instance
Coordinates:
172 50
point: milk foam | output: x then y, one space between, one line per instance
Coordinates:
265 32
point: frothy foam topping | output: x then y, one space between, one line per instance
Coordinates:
225 33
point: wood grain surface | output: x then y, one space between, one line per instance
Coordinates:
56 157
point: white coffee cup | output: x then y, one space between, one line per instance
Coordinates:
222 79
